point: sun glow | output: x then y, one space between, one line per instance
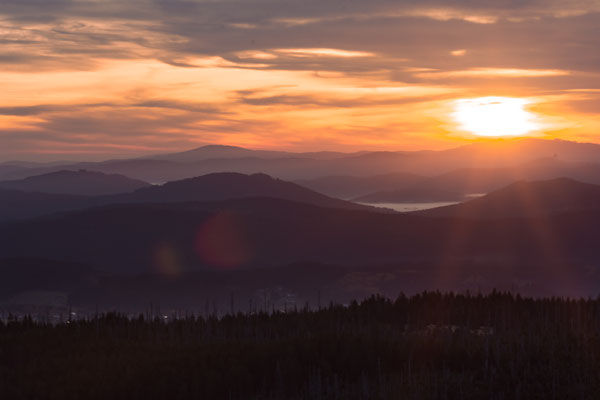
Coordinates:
495 116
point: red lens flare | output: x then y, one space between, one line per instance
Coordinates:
223 242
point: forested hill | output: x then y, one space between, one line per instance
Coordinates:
429 346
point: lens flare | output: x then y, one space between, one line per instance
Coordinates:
222 241
167 260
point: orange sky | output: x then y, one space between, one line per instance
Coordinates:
96 79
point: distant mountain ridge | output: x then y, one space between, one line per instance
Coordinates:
293 166
211 152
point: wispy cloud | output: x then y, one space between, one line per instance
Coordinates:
321 52
493 73
458 53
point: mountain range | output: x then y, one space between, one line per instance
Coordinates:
18 204
457 185
259 232
111 238
293 166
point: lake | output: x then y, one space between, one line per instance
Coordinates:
407 207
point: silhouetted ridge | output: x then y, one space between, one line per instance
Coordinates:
211 187
81 182
525 200
349 187
294 166
217 151
259 232
231 185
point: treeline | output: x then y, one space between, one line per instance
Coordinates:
428 346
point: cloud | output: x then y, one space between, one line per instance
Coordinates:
28 110
493 73
80 34
174 73
320 52
315 101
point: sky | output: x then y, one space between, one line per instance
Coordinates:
95 79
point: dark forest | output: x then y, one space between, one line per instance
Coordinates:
428 346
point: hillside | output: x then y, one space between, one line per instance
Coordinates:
81 182
261 232
350 187
413 194
460 184
484 180
15 204
24 275
219 186
526 200
229 185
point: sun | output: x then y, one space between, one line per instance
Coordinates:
495 116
